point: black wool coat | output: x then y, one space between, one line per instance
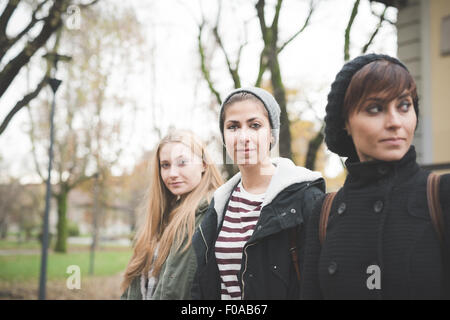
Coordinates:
380 241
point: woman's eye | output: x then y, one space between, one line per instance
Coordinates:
255 125
164 165
405 105
232 127
374 109
182 163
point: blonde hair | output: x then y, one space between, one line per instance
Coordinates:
166 221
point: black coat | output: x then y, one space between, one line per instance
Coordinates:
379 218
267 270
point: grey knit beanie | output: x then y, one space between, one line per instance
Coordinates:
269 102
336 138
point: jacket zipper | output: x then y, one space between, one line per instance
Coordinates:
204 240
245 269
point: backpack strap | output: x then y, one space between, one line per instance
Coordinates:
434 205
437 218
324 214
293 250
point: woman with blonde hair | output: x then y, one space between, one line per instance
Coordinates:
183 178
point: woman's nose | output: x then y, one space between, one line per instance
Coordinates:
393 119
243 135
173 171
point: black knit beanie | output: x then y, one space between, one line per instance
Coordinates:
336 137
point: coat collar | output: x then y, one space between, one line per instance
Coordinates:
287 174
362 173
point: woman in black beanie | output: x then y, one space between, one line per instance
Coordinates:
379 241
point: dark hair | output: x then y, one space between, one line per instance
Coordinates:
382 78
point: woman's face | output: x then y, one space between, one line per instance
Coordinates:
247 132
383 130
181 170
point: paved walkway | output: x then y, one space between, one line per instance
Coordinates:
92 288
9 252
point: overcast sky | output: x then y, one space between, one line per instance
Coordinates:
169 88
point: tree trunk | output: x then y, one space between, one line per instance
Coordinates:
279 93
313 149
61 232
95 218
3 229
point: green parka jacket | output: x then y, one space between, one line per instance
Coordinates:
177 273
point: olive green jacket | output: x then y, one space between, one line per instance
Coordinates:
177 272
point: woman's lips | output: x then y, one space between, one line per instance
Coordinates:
245 150
176 184
393 141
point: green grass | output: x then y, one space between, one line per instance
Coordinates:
27 267
12 244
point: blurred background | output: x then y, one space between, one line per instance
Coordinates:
130 71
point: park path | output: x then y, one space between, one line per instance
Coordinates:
9 252
92 288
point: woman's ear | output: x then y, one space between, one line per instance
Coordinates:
271 143
347 128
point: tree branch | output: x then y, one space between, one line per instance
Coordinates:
262 68
10 42
233 71
6 15
51 23
311 10
85 5
274 26
22 103
262 20
348 29
204 69
80 180
380 23
263 58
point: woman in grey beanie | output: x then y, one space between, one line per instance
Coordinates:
250 244
377 238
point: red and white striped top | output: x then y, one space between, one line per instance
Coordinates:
239 222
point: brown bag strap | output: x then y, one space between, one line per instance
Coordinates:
437 218
434 205
324 214
293 250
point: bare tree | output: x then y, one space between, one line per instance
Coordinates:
268 60
48 17
89 138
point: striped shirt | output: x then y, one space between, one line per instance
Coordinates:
239 222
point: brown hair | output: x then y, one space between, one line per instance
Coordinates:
166 222
382 78
239 97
